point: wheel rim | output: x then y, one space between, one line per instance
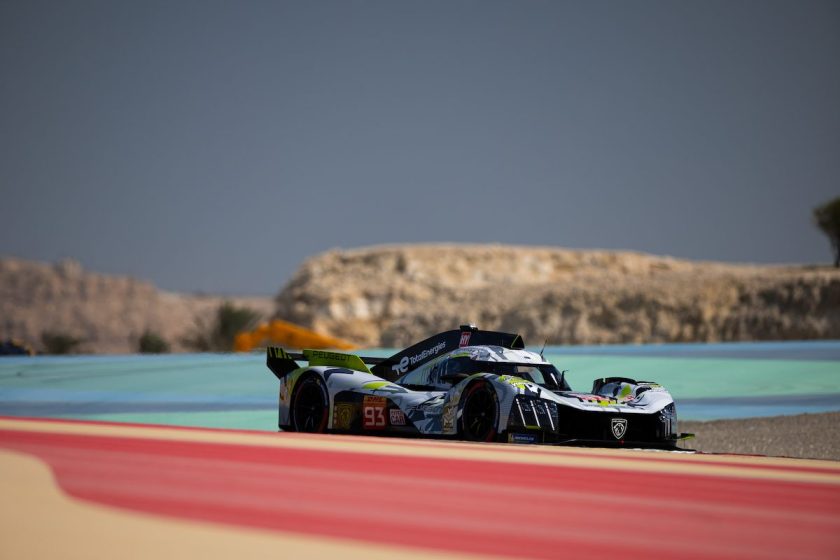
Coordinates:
310 409
480 415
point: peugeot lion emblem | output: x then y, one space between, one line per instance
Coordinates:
619 426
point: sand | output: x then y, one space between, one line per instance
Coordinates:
810 436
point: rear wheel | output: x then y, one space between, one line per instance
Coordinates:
310 406
480 413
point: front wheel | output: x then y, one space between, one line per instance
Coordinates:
310 406
480 413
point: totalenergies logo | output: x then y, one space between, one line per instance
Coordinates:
402 366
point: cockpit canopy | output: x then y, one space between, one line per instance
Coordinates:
456 367
453 370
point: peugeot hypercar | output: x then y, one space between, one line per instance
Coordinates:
467 384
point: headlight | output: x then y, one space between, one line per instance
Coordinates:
669 412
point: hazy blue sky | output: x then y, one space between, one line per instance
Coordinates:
214 145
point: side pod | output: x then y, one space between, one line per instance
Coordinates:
280 362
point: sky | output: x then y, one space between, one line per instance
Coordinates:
212 146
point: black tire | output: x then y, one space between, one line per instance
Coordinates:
310 406
479 413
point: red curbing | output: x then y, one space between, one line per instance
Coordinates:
455 503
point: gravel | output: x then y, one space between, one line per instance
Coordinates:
809 436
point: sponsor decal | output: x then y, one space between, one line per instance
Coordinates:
522 438
618 427
374 412
433 351
449 411
330 356
343 416
465 339
397 417
402 367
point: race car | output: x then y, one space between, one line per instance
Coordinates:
467 384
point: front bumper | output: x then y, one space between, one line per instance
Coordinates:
533 420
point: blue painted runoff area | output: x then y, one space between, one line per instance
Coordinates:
708 381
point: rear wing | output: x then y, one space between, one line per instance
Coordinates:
281 363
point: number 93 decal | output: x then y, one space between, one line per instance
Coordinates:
374 413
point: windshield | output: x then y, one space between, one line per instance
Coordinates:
544 375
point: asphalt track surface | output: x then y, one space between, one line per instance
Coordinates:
79 489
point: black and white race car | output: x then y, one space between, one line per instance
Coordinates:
468 384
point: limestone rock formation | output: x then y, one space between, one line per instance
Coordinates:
395 295
108 313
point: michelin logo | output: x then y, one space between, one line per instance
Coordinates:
402 367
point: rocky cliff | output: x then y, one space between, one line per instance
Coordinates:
108 313
394 295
